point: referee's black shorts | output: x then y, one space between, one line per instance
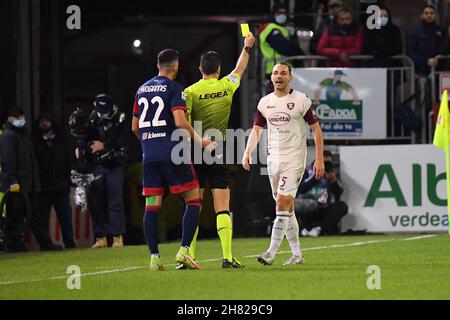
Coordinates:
217 174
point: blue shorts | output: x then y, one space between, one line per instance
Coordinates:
161 175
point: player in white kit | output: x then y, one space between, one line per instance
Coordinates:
287 113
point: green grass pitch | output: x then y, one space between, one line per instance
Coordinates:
411 266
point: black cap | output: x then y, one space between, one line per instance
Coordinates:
278 6
15 111
103 103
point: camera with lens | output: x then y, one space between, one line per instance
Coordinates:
328 166
78 126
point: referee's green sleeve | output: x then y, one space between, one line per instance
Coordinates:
233 80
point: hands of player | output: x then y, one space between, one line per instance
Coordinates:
249 40
246 159
208 144
318 169
97 146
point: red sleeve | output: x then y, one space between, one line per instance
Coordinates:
357 44
259 119
135 109
178 108
311 116
324 47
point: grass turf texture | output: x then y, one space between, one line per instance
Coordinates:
335 268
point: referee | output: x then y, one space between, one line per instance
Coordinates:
209 101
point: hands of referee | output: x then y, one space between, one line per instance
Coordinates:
249 40
318 169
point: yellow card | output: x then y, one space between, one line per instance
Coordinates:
245 29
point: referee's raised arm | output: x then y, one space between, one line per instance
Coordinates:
242 62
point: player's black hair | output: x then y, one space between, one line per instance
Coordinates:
285 64
210 62
428 6
167 57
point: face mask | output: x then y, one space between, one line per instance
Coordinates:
384 21
346 27
18 123
281 19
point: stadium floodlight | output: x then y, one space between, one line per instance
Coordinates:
137 43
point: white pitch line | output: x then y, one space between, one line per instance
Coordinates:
421 237
81 275
353 244
334 246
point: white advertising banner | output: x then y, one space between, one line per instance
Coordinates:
350 102
395 188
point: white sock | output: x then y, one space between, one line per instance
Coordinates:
292 234
278 231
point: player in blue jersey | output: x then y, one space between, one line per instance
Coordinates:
159 109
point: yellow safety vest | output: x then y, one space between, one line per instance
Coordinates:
269 54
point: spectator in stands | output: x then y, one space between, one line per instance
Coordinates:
275 40
383 42
423 41
444 49
333 8
54 165
19 165
318 201
341 40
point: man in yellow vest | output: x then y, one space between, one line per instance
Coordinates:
277 41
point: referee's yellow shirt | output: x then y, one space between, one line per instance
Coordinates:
209 101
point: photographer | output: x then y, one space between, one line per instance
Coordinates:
318 201
105 150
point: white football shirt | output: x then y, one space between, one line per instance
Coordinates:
287 119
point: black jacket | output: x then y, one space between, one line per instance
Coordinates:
309 182
17 159
114 135
383 43
422 43
444 49
53 161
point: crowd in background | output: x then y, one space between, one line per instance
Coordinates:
340 35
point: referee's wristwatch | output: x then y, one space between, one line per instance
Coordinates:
248 49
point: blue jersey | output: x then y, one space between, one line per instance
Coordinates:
154 103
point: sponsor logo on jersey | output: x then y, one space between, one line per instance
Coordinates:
183 96
213 95
279 118
325 112
290 105
148 136
271 107
233 78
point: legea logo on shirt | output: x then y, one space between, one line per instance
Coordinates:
279 118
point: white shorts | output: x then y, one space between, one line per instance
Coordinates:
285 177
